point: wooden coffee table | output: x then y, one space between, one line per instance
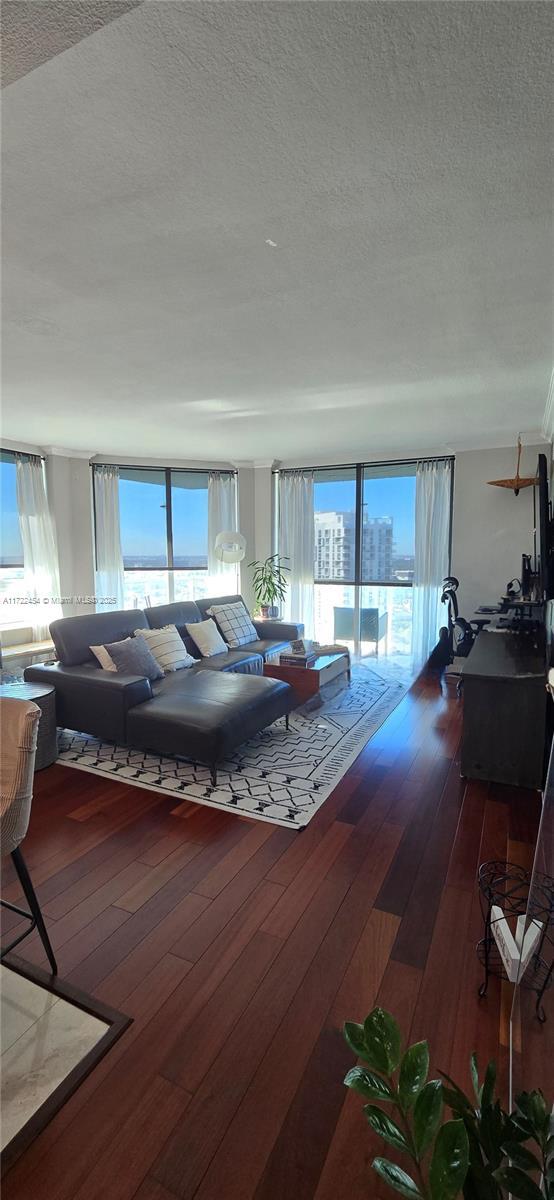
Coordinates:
307 682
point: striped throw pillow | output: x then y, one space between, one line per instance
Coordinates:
168 647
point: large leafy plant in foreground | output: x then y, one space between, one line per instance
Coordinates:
480 1151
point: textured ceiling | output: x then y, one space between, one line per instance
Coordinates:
397 154
35 30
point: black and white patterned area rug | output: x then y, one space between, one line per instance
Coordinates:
278 776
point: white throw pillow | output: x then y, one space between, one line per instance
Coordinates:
234 623
207 637
106 661
168 647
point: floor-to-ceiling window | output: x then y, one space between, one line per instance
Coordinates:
13 612
364 524
387 557
335 548
164 534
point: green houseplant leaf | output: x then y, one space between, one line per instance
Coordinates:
487 1091
354 1036
414 1070
427 1115
382 1041
396 1178
368 1084
518 1183
449 1162
382 1124
269 579
521 1156
480 1151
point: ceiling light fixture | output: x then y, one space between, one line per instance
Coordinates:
269 242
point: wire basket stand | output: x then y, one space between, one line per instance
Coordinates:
507 885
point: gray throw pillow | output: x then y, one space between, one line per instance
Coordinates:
134 657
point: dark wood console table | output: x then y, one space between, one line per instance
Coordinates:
504 726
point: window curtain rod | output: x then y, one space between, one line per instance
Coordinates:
388 462
190 470
26 454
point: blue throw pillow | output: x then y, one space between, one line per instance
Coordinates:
134 657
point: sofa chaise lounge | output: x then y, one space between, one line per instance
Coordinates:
201 712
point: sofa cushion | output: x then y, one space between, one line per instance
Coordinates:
180 614
167 647
208 716
232 663
204 605
74 636
234 622
267 647
106 661
207 637
134 657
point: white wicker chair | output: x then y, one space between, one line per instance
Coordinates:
18 742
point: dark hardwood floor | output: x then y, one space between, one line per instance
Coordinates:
240 949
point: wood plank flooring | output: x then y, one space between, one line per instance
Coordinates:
240 949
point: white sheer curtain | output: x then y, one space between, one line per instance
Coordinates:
297 544
432 528
110 579
222 518
40 554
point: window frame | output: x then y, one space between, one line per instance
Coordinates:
13 566
359 468
167 472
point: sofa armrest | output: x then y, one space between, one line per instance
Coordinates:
92 700
282 631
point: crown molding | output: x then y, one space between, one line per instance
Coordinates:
63 452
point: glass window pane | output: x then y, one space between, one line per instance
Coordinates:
189 508
145 589
191 585
386 620
13 608
11 549
142 511
335 524
388 524
333 615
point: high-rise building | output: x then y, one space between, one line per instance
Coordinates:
377 548
335 537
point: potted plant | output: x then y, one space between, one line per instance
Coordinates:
269 583
480 1154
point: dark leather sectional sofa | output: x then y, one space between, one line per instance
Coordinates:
202 712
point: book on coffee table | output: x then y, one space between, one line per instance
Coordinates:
297 660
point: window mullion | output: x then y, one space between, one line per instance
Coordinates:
169 519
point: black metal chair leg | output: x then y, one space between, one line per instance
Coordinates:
213 776
287 721
31 898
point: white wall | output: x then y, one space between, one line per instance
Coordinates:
255 485
491 528
247 526
70 499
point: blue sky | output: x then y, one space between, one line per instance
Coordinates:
143 519
388 497
11 549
